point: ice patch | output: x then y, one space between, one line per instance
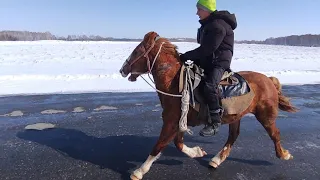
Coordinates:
105 108
39 126
306 144
78 109
312 145
52 111
13 114
299 147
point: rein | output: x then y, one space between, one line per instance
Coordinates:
155 58
145 55
185 97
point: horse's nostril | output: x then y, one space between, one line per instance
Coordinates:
123 73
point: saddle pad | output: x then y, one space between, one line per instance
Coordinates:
233 90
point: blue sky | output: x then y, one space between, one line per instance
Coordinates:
257 19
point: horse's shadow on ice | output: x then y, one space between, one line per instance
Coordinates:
117 153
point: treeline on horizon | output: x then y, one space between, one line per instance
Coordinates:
310 40
293 40
37 36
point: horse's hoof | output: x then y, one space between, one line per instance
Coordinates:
203 152
136 175
213 164
287 157
133 177
200 152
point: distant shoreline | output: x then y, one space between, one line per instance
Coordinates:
309 40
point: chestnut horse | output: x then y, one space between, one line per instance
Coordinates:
159 57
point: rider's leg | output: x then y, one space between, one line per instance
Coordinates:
212 80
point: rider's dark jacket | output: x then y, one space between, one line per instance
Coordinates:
216 39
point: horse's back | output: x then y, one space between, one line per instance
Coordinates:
260 83
254 77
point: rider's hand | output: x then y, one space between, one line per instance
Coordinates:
183 58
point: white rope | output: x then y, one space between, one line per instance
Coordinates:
168 94
183 125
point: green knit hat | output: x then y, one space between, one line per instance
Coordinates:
208 5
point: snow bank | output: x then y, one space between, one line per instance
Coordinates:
72 67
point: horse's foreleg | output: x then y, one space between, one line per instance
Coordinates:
191 152
167 134
234 130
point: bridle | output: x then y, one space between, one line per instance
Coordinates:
145 55
185 98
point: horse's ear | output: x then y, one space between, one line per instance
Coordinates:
157 37
150 37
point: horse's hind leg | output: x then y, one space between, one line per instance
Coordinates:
267 115
191 152
234 131
167 134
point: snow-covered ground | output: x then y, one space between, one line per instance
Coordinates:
73 67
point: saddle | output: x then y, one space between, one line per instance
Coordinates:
235 92
197 75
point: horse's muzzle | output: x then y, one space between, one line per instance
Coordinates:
125 70
123 74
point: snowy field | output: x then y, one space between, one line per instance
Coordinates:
73 67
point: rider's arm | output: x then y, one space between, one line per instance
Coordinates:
211 40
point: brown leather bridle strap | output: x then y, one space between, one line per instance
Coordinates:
145 55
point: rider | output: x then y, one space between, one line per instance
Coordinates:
216 39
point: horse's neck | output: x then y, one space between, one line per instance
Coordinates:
165 71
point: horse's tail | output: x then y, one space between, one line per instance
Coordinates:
284 102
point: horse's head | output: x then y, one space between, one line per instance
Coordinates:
138 62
